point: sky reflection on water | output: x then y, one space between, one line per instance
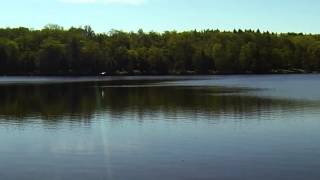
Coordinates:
211 127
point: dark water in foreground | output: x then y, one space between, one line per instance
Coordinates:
199 128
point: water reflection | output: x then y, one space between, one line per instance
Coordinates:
81 102
146 129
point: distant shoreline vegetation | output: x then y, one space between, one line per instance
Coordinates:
81 51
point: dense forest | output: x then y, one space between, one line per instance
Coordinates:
81 51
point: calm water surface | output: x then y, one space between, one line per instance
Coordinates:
155 128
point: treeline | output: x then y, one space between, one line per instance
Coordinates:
81 51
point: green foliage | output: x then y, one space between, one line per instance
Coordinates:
81 51
52 57
247 56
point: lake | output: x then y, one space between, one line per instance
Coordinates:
250 127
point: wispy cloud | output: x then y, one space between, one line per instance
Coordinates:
128 2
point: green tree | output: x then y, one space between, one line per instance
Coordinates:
158 61
8 56
313 52
247 56
202 62
52 57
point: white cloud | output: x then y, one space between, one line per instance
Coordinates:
130 2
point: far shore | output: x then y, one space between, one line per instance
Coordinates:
187 73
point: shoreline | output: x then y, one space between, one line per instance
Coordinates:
285 72
146 76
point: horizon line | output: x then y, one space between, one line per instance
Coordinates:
65 28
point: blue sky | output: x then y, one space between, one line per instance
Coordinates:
160 15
